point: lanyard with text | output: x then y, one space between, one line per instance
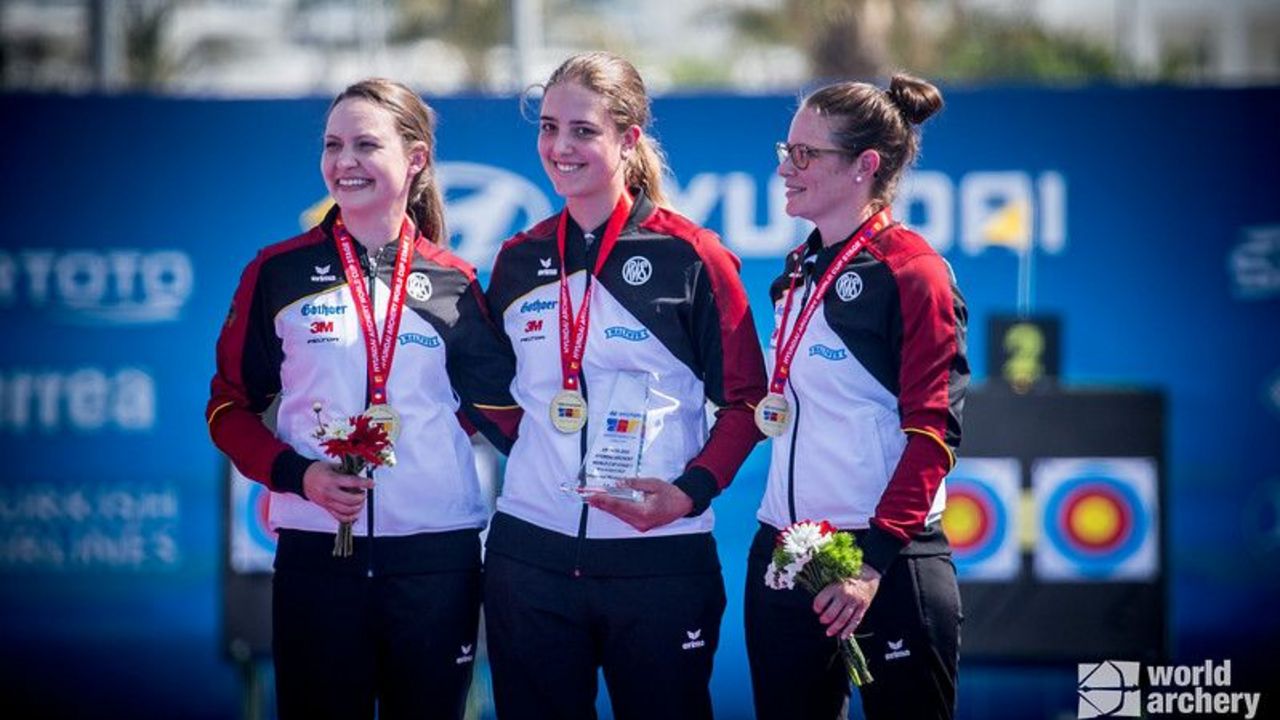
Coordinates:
568 407
379 352
774 411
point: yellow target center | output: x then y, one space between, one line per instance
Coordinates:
1096 520
962 520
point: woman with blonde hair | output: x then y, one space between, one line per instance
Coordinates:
614 303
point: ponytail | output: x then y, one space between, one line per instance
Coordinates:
645 168
426 206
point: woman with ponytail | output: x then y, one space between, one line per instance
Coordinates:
616 307
864 424
368 313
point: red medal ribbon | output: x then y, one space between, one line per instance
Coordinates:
573 332
379 352
789 344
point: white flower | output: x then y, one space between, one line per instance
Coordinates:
778 579
804 539
338 429
388 456
783 578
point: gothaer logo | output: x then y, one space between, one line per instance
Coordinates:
537 306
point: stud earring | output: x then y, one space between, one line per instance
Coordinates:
857 178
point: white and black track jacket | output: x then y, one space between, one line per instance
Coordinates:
668 303
877 388
293 331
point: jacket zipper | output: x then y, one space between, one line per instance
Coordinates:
583 433
795 420
373 282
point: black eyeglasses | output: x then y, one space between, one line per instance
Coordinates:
801 155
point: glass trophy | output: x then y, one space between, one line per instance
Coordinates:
620 435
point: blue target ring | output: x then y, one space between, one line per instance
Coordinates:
992 516
255 520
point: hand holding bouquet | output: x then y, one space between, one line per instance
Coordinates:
817 555
359 444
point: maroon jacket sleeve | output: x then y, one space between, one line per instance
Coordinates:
245 383
933 376
733 368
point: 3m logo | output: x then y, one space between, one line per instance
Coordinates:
531 326
1109 689
321 326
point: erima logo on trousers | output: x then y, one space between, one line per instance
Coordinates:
695 640
465 655
896 650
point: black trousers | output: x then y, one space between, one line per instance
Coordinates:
549 633
345 643
910 636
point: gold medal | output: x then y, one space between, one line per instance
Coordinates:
386 416
568 411
772 414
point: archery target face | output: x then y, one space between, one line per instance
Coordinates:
1098 519
253 542
981 518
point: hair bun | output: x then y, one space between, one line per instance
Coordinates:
916 99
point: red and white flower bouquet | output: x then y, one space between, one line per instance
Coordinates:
359 444
815 554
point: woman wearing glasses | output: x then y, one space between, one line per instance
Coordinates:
618 309
864 409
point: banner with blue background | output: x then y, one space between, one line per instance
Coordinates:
1151 216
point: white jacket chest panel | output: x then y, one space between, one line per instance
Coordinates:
617 342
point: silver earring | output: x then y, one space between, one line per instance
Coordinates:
857 178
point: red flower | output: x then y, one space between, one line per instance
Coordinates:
366 442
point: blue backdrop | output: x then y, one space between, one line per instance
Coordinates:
1152 215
